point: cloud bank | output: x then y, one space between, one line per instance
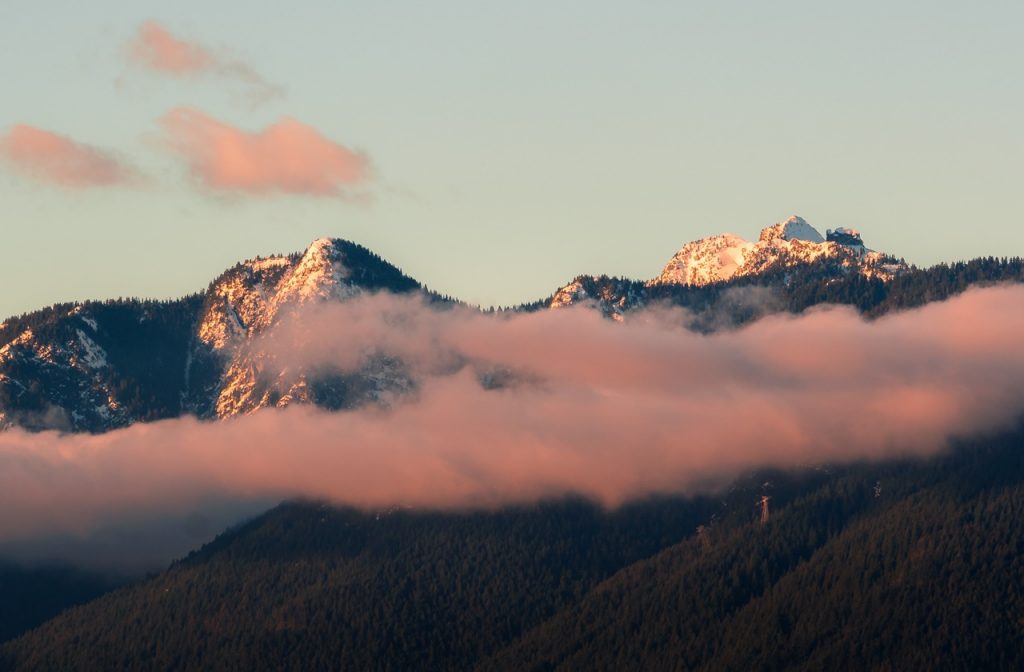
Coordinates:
156 49
287 157
60 160
609 411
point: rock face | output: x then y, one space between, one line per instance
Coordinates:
255 295
101 365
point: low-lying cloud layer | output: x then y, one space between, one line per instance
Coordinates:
288 156
60 160
610 411
156 49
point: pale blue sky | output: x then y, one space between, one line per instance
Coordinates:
518 144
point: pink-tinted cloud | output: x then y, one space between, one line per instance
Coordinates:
605 410
287 157
156 49
60 160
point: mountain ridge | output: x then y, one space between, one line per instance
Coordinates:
789 244
96 366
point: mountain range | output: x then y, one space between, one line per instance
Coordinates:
100 365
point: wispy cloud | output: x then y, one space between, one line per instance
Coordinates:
156 49
604 410
60 160
286 157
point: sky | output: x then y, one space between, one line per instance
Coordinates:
492 150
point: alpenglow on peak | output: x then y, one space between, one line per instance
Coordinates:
787 243
794 228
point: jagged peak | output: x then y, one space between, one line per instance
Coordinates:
792 241
322 247
320 253
794 228
319 274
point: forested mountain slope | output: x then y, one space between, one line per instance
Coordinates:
307 586
906 565
892 567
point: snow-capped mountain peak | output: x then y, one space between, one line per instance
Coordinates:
254 295
250 296
794 228
319 274
707 260
787 243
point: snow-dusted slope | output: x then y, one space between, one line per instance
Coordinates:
794 228
59 377
707 260
725 257
612 296
787 243
98 366
254 295
102 365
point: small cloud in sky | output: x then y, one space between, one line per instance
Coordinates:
156 49
60 160
286 157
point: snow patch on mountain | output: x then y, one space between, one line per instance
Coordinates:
794 228
319 275
238 300
707 260
93 356
571 294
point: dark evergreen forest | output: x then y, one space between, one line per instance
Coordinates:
896 566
